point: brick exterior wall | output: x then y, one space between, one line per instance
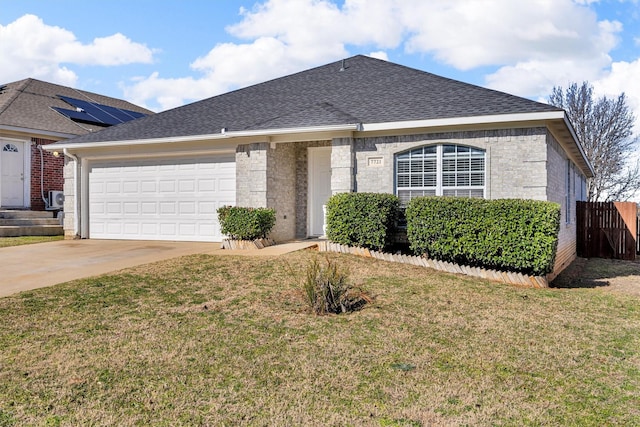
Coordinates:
515 160
276 178
342 164
523 163
564 187
281 189
251 175
53 173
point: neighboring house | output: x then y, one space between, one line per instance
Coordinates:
360 124
34 113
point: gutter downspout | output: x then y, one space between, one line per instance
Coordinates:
44 199
76 192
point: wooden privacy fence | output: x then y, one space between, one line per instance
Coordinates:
607 230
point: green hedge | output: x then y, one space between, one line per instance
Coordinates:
246 223
508 234
362 219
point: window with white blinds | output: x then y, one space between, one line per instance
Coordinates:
440 170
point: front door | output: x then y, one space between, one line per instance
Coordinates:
319 188
12 174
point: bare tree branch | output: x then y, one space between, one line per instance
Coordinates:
604 128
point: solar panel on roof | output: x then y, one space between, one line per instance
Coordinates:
75 115
91 112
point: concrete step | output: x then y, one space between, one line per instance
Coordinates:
29 221
24 214
37 230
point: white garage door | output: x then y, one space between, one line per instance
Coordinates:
160 199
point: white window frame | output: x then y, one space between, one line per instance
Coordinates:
439 189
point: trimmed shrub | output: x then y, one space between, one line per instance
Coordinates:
362 219
507 234
246 223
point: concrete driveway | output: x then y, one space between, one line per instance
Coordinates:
44 264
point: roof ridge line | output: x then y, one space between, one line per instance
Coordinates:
18 91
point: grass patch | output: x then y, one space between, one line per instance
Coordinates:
207 340
26 240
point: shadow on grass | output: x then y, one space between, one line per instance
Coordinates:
597 273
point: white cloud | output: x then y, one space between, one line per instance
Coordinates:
282 37
623 77
30 48
227 66
586 2
534 44
113 50
537 78
467 34
380 55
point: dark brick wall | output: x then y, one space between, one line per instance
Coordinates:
53 173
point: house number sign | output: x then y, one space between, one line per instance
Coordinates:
375 162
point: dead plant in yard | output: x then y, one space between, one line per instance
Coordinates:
327 289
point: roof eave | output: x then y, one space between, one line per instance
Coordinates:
37 132
579 145
463 121
224 134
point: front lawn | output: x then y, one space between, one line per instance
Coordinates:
206 340
26 240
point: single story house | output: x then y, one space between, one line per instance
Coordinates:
360 124
33 114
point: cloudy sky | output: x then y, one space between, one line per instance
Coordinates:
165 53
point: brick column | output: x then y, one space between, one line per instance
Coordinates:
251 175
342 166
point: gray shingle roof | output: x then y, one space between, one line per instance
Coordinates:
368 90
27 104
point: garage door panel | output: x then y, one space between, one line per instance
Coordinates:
130 187
207 208
131 208
148 186
206 185
97 208
167 186
148 208
167 208
114 228
114 207
186 208
113 187
131 228
227 185
96 187
186 185
162 199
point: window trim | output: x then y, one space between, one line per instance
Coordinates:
10 148
439 188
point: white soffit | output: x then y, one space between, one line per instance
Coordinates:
461 121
